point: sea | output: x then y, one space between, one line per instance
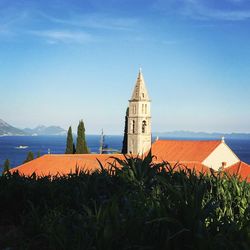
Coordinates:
16 148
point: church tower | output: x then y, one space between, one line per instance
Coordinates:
139 119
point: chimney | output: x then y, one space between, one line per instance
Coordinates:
223 165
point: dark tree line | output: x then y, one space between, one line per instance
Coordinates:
6 166
81 144
125 137
80 148
30 156
70 146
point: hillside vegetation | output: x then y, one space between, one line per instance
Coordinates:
139 206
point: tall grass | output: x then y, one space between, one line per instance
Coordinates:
140 205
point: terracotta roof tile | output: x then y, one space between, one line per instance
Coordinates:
183 150
65 163
188 154
240 168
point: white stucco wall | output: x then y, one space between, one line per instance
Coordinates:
221 154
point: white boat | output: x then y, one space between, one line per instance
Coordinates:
22 147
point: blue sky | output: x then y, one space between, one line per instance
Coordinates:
62 61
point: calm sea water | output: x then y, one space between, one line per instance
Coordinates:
56 144
42 144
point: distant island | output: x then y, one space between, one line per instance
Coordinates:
9 130
43 130
202 135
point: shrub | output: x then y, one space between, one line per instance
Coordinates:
141 205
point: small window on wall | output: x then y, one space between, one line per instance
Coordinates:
142 95
133 127
142 108
136 93
144 124
134 109
146 109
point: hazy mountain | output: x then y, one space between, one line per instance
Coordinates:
43 130
7 129
202 135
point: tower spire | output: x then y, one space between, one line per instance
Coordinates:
140 92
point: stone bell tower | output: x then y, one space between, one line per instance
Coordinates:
139 119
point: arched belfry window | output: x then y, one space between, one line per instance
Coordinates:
132 126
144 124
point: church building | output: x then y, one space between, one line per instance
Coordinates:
199 155
139 119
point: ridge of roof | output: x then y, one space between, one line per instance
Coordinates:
80 155
183 150
189 140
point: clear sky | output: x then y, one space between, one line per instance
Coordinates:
62 61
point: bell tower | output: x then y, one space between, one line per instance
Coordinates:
139 119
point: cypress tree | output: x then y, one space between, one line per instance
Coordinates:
6 166
81 145
30 157
125 136
70 142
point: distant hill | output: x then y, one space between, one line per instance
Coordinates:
7 129
43 130
202 135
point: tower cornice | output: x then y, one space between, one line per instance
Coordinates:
133 100
136 116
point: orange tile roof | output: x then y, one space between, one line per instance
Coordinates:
185 154
65 163
196 166
183 150
240 168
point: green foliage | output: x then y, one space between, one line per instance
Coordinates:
38 154
134 204
30 157
81 145
70 142
6 166
125 136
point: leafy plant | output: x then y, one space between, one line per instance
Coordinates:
132 204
